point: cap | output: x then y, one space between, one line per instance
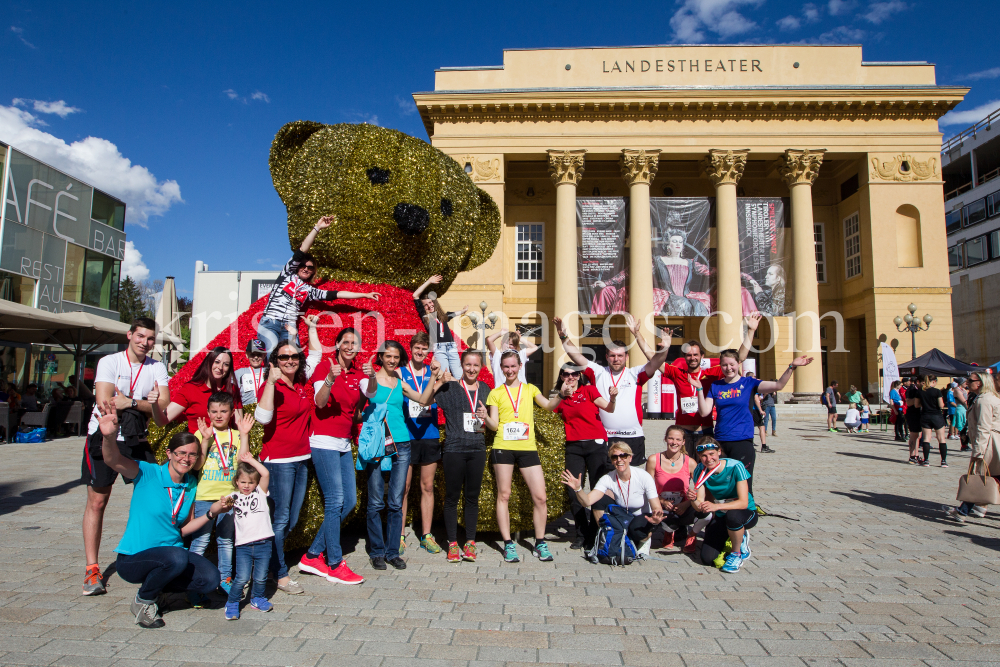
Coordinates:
256 346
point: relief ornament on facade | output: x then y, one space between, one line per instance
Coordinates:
904 168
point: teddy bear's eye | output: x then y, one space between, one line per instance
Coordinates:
378 176
446 208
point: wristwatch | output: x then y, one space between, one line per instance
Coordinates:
134 404
209 515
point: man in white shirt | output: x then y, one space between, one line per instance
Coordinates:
136 386
625 423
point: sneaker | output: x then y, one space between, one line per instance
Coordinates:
745 546
925 463
944 464
510 553
378 563
147 614
260 604
833 430
397 563
764 449
761 511
469 553
428 543
226 584
93 583
914 461
668 541
454 553
343 575
291 588
689 543
232 611
978 512
314 565
733 563
541 552
953 513
197 600
577 541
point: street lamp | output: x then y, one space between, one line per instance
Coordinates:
479 323
912 324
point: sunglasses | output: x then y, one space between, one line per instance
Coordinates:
287 357
569 374
702 448
615 457
309 267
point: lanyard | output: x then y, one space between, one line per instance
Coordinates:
627 493
175 507
223 456
257 382
516 406
615 382
132 382
472 401
419 386
705 474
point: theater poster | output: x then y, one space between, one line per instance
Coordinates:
602 278
761 222
683 276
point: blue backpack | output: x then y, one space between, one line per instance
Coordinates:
371 440
613 546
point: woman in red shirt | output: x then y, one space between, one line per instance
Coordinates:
191 399
586 440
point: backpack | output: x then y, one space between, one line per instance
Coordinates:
613 546
371 440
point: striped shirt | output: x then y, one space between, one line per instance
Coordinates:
289 295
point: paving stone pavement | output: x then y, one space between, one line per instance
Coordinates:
871 574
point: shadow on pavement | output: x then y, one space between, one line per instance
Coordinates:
921 509
9 502
869 456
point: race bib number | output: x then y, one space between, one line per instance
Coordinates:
472 423
689 405
418 411
515 431
671 496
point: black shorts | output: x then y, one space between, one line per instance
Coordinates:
515 457
425 451
913 418
95 472
758 418
831 409
933 421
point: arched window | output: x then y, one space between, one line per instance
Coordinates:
909 253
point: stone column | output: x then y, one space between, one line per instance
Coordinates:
799 169
639 169
724 168
566 170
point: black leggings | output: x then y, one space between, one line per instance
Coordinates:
586 457
900 426
679 523
718 532
742 451
942 449
639 527
462 470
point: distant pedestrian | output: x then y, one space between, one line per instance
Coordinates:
829 399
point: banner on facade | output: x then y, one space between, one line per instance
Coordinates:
890 370
683 277
761 222
602 277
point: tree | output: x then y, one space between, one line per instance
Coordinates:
150 291
130 301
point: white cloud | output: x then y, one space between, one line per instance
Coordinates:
789 23
406 105
839 35
838 7
231 94
257 95
132 265
95 160
810 12
722 17
59 107
20 35
970 116
880 11
991 73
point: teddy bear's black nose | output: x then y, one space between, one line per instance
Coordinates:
411 219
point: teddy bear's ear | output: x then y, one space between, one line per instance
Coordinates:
286 144
487 232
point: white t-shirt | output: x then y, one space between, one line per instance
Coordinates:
865 412
852 416
251 517
498 376
640 489
626 420
133 380
249 380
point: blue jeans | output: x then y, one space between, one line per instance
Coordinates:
173 569
225 529
335 474
288 490
377 539
770 411
447 355
251 558
271 331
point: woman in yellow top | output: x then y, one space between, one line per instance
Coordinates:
511 415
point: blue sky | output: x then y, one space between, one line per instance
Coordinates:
173 106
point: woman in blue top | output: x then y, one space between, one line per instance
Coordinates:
731 398
896 403
388 387
161 514
722 487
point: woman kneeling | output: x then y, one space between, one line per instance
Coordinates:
725 482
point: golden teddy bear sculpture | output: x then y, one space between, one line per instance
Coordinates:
404 211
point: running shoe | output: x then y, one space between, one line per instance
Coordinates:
832 430
147 614
764 449
761 511
944 464
510 553
197 600
92 581
314 565
428 544
232 611
291 588
260 604
541 552
745 546
226 584
978 512
454 553
924 463
344 575
733 563
953 513
914 461
577 541
689 543
469 553
668 541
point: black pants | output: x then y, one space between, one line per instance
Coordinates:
742 451
590 458
679 523
462 470
638 446
639 527
900 426
173 569
718 532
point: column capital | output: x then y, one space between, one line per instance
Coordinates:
725 166
639 165
800 166
566 166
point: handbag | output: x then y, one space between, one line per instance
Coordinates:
978 489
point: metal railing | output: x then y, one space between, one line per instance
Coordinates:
989 176
957 191
960 138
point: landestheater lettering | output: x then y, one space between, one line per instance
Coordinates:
706 65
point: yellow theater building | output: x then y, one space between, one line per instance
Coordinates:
847 151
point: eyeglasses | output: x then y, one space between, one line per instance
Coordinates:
615 457
185 455
701 448
287 357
